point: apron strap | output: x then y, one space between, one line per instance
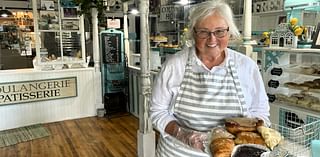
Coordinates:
238 87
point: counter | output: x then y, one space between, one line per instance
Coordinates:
84 104
135 91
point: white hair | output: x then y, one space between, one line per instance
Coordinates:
207 8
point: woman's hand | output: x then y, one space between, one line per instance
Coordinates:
194 139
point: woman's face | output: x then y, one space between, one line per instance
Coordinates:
206 42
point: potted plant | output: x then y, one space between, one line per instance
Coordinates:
85 7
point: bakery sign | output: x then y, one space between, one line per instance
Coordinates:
267 6
37 90
170 12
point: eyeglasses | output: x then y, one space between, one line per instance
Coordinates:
204 34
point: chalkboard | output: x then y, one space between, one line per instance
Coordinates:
111 47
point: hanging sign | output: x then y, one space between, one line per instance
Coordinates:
37 90
170 12
113 23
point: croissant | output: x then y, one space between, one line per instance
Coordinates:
222 147
271 137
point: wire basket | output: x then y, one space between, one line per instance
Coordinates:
297 140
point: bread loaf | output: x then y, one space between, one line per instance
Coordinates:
220 132
242 124
249 138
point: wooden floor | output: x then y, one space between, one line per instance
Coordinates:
86 137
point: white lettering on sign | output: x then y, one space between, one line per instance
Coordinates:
267 6
37 90
169 12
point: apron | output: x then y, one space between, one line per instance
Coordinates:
203 102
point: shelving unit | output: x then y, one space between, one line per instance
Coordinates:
61 41
292 78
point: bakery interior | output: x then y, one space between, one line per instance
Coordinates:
48 37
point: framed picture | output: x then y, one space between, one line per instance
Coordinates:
48 20
282 19
47 5
316 38
70 24
70 12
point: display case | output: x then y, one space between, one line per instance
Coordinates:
292 81
60 41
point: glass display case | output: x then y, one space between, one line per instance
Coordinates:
60 41
292 81
293 76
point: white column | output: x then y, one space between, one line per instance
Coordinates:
247 42
247 16
126 31
95 39
96 59
146 135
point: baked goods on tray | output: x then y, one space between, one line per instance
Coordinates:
241 131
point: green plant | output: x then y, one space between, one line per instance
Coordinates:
85 7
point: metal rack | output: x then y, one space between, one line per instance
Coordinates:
298 134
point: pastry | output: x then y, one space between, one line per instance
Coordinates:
241 124
304 103
317 81
299 96
303 86
221 147
308 70
315 89
271 137
310 84
291 85
220 132
249 138
315 66
281 97
292 100
315 106
311 98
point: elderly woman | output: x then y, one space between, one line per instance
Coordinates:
200 86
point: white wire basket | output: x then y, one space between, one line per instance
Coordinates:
297 139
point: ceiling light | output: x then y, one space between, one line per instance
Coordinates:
5 13
134 11
183 2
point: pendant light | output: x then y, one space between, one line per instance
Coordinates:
184 2
133 9
5 13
